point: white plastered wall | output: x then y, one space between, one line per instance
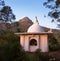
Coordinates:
22 41
26 47
44 43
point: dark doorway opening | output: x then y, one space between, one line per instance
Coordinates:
33 42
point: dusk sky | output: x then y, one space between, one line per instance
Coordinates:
31 8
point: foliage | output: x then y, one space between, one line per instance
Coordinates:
57 36
40 56
53 44
10 49
54 5
6 14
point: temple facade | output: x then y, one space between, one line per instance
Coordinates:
35 38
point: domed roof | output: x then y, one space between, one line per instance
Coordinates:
35 28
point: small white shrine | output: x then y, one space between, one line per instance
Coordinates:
35 38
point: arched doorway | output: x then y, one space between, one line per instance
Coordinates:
33 42
33 45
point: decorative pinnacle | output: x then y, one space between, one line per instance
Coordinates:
36 21
36 17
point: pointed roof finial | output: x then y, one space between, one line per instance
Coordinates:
36 17
36 21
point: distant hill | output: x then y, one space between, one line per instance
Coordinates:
4 26
24 23
19 26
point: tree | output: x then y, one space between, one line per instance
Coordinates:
53 44
6 15
10 48
54 5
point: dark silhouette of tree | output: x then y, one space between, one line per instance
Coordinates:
2 3
54 5
6 14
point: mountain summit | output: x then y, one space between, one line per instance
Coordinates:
24 23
